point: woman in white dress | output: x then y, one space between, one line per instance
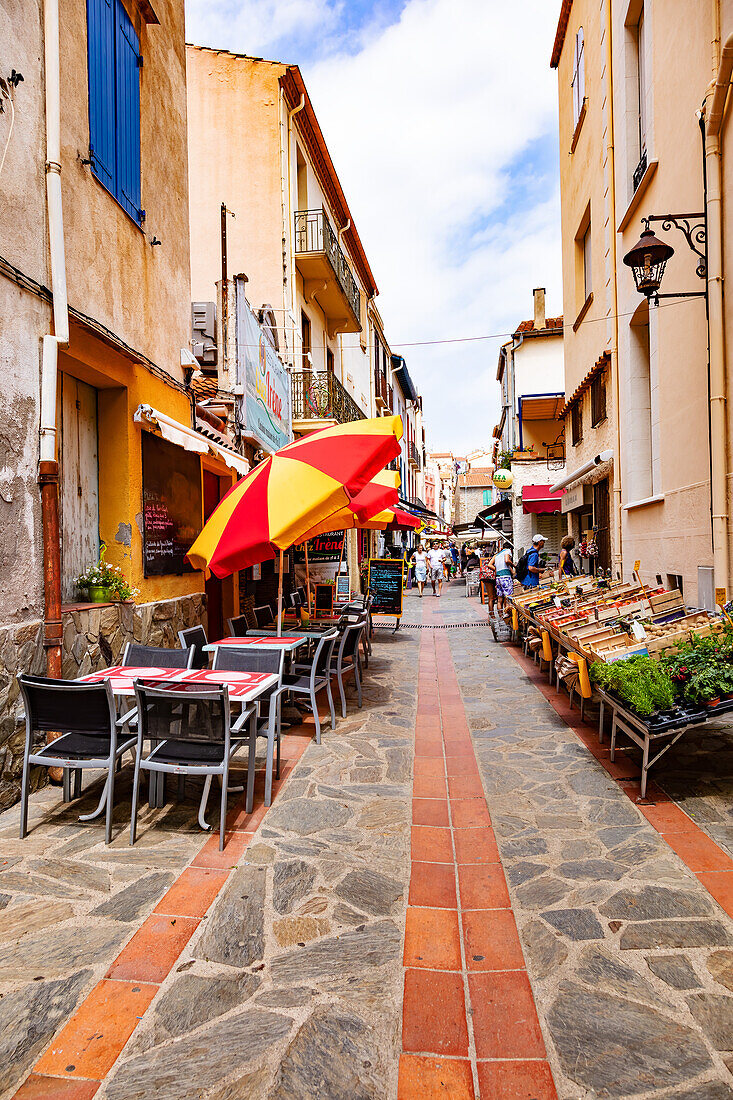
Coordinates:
420 561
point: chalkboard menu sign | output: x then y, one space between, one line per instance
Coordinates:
172 506
385 585
324 598
343 591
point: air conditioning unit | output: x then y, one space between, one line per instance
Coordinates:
203 327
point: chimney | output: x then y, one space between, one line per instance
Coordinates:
539 307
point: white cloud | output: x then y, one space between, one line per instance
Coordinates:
256 27
424 125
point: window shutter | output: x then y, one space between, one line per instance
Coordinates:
101 66
127 189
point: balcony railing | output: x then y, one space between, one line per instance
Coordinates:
383 391
314 233
413 454
639 171
322 397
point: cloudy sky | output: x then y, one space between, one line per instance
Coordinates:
441 118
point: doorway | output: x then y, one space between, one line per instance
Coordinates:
214 489
602 514
78 450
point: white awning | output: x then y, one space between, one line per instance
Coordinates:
183 436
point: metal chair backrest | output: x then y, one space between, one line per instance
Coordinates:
68 706
237 626
182 712
151 656
263 615
195 637
232 659
323 654
247 608
350 640
295 600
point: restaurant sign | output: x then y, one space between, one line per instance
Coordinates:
326 547
264 380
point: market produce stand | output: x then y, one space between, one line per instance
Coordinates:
580 624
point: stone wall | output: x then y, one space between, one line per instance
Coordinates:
93 638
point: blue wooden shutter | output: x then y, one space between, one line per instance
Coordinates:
487 497
101 64
127 189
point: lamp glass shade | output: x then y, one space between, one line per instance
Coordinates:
647 260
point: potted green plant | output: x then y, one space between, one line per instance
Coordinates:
105 583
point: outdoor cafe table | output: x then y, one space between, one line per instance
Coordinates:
287 641
244 688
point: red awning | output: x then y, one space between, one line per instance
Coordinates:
537 499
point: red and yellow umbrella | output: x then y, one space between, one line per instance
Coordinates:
294 491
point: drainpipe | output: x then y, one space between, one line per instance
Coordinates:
718 379
48 472
610 157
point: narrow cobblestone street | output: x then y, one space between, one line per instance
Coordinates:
506 919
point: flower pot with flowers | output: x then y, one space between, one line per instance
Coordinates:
105 583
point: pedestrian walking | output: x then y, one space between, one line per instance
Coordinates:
435 558
421 564
464 558
455 558
534 565
504 571
565 559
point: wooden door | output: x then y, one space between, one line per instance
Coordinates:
602 522
78 452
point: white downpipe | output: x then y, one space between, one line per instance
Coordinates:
60 337
716 314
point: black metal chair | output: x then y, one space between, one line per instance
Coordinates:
237 626
232 659
346 660
194 637
150 656
308 678
86 716
263 615
191 731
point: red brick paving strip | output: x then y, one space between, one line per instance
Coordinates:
710 864
470 1027
84 1051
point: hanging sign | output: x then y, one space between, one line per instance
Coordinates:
264 379
637 566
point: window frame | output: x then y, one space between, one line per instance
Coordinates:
305 327
577 84
598 398
587 246
576 422
114 104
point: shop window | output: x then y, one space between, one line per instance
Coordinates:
598 399
577 423
114 62
578 83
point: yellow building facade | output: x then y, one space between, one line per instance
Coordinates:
644 110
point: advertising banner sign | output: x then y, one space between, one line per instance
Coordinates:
326 547
262 374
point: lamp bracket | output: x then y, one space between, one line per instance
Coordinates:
694 228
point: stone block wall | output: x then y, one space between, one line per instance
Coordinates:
93 638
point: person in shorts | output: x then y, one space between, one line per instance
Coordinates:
504 566
420 562
435 558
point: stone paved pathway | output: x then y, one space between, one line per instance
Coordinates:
509 925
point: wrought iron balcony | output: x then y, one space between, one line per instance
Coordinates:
325 269
413 455
639 170
322 397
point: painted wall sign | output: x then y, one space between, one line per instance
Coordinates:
326 547
262 374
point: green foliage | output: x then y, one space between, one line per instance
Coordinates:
702 669
107 576
640 682
505 460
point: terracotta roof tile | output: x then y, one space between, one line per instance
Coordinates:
553 325
562 27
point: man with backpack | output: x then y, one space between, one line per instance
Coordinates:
529 566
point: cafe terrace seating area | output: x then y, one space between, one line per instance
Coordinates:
159 727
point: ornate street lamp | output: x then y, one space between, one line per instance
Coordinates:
648 258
